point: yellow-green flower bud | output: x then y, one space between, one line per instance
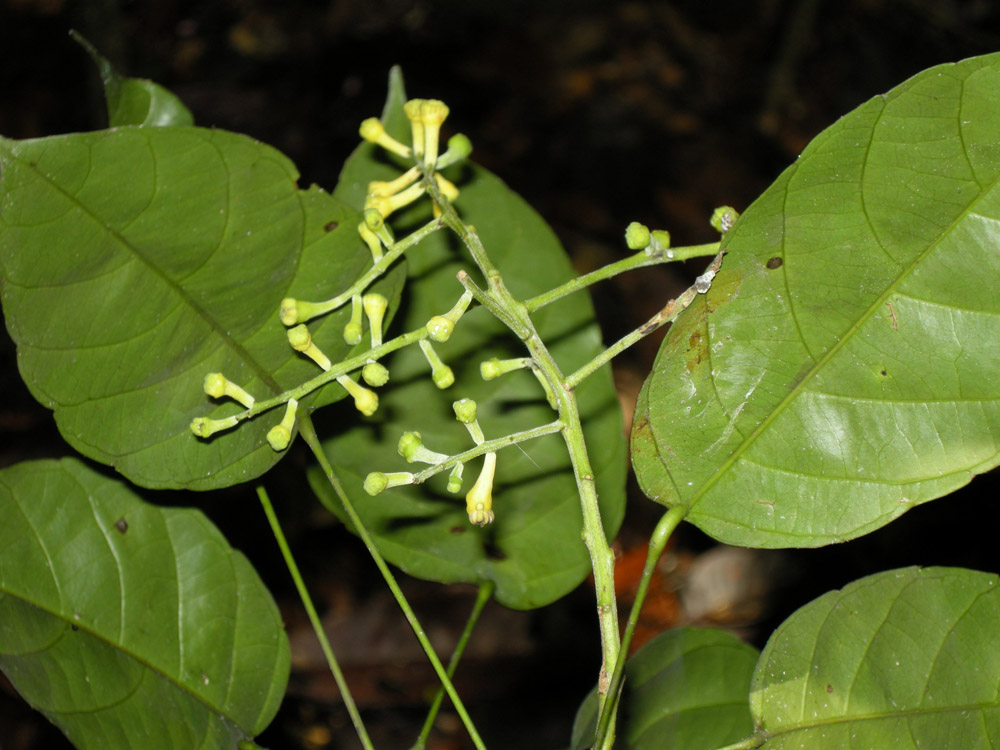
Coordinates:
455 479
289 311
723 218
375 374
280 435
447 188
494 368
365 400
301 341
465 410
375 306
217 386
662 238
352 331
204 427
432 114
375 222
371 239
459 148
376 482
440 327
412 448
441 374
385 205
412 111
373 131
479 501
636 236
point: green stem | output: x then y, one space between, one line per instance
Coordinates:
602 560
308 433
488 446
482 597
657 543
317 625
640 260
668 314
376 270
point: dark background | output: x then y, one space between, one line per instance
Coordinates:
599 114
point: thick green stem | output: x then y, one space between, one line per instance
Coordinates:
601 557
317 625
484 594
308 433
657 543
748 744
640 260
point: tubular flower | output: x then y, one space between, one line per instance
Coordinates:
432 114
204 427
217 386
365 400
373 131
375 306
479 501
386 204
459 148
301 341
352 331
280 435
376 482
441 374
412 448
412 111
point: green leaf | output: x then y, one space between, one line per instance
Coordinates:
129 625
842 369
687 688
901 659
136 261
533 551
135 101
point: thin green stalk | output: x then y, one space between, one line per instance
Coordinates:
308 433
668 314
640 260
488 446
657 543
601 558
484 594
317 625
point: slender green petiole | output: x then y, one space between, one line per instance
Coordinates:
317 624
483 596
668 314
640 259
308 433
657 543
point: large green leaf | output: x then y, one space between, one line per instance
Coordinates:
533 550
685 689
135 101
843 367
129 625
137 260
902 659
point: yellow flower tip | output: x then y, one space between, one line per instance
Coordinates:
380 203
447 188
376 482
379 189
301 341
218 386
439 328
433 112
365 400
289 311
279 437
373 131
204 427
299 338
479 500
375 374
352 333
412 111
375 305
443 377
